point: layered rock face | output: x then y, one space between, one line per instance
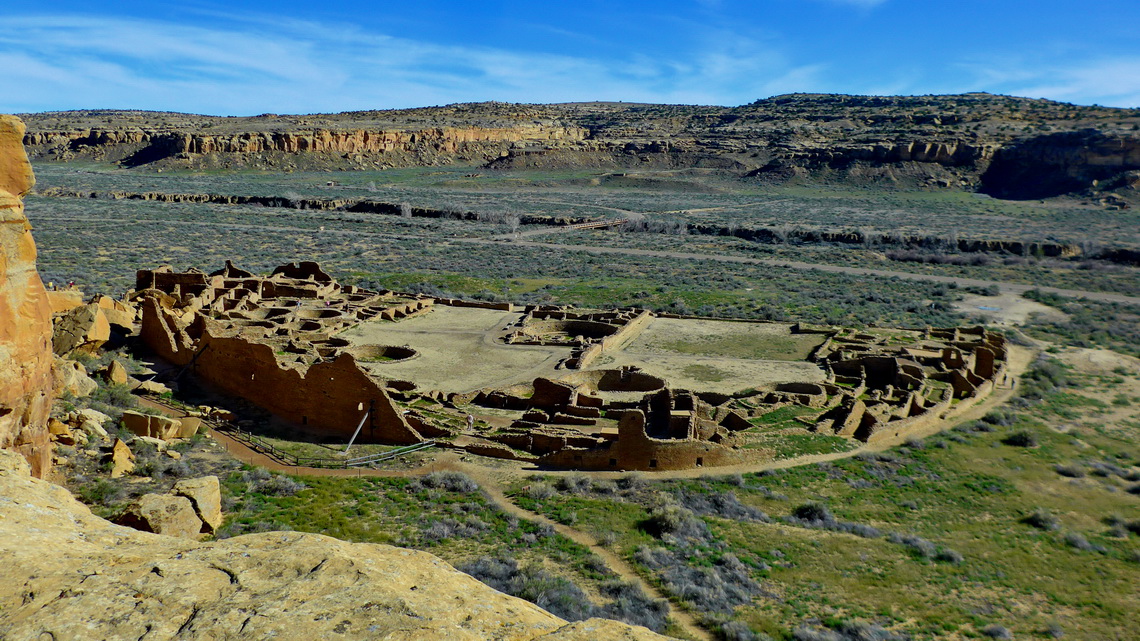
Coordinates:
25 314
1053 164
71 575
932 141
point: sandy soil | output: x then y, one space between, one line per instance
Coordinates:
1007 308
656 352
458 350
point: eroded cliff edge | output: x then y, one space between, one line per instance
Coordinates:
72 575
25 315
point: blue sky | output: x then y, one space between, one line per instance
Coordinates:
286 56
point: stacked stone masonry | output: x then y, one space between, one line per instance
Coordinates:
276 341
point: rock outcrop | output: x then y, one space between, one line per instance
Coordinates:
163 514
205 494
26 383
83 329
1055 164
71 575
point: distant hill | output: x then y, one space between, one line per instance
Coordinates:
1007 146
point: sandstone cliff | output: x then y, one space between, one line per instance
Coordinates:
933 141
25 314
71 575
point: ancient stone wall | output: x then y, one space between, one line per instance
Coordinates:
635 450
26 385
331 397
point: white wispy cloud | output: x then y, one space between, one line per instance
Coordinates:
258 65
1112 82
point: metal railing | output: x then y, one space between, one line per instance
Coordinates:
261 444
264 446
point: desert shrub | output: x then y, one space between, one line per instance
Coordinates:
995 631
604 486
676 521
813 512
1000 417
1071 470
630 604
539 491
448 528
817 516
631 482
1020 438
1106 469
722 504
846 631
447 481
574 483
561 597
1042 519
916 544
947 555
982 426
716 588
737 631
261 481
1079 542
101 491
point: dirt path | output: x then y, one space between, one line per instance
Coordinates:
492 485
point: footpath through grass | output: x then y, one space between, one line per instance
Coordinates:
1027 522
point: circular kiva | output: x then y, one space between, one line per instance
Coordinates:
568 328
383 353
310 313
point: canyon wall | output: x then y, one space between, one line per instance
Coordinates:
25 315
1054 164
142 146
1015 147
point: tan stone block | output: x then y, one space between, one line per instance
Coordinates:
163 514
206 495
122 459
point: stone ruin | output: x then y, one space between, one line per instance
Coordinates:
274 341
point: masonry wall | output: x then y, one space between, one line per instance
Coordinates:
328 397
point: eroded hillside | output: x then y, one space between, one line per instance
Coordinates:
1011 147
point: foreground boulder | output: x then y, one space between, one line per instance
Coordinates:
71 575
163 514
83 329
71 377
206 495
26 385
160 426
